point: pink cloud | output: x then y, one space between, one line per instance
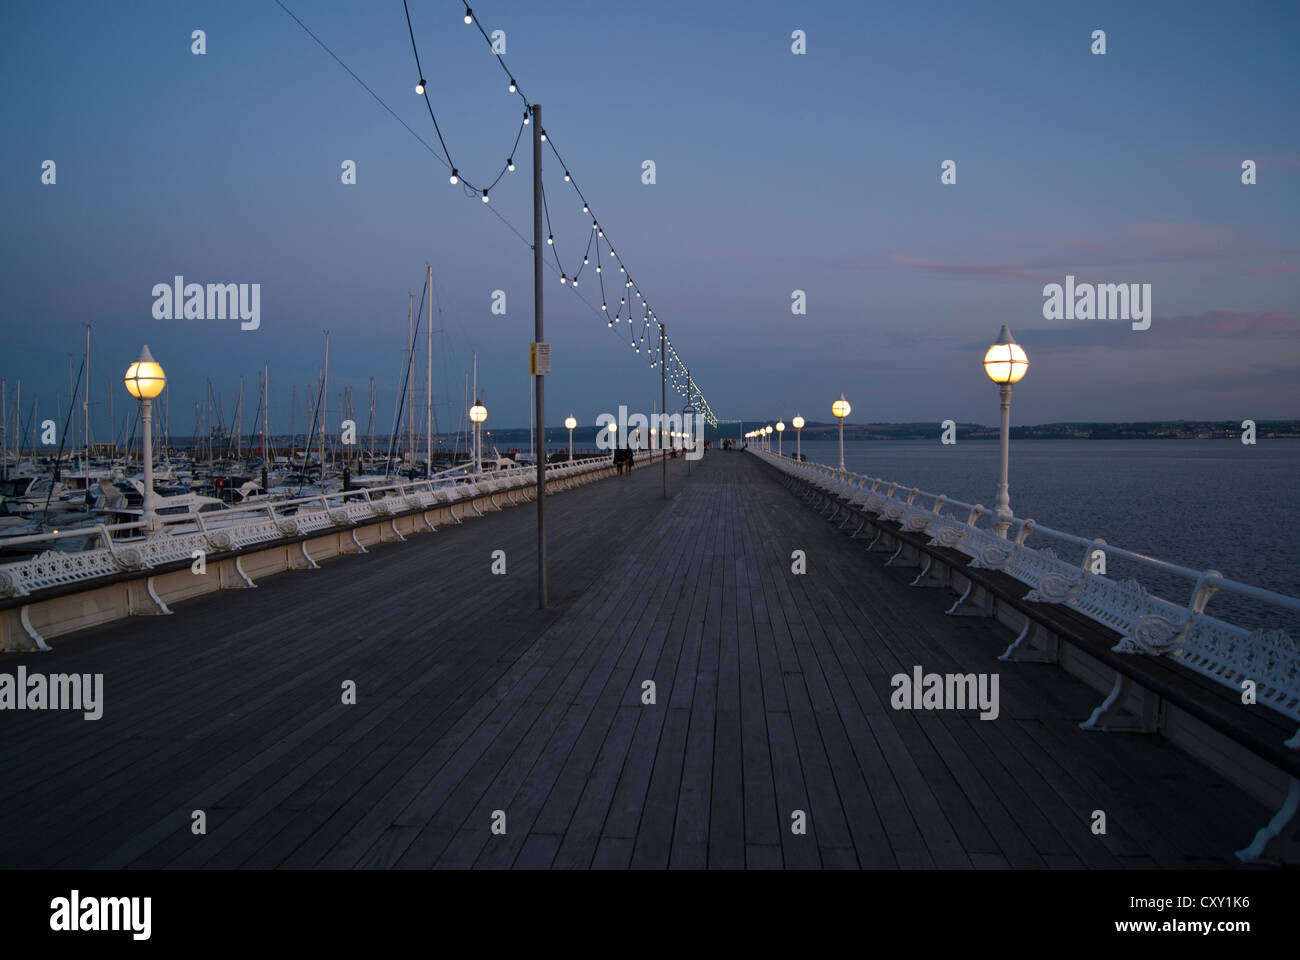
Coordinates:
1005 270
1126 245
1277 270
1216 323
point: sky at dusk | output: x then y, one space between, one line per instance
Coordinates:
775 172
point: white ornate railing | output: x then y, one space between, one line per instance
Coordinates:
123 547
1148 624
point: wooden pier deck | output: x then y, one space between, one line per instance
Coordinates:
772 696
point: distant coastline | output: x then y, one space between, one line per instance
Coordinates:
584 438
1148 430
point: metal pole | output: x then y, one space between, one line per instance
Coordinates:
540 412
663 403
571 446
146 418
1003 508
841 444
690 393
798 444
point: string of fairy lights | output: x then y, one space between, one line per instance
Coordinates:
635 314
675 370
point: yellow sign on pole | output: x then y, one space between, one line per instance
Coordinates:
539 359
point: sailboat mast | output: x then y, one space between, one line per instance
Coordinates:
85 406
72 407
428 381
239 421
324 396
410 381
372 423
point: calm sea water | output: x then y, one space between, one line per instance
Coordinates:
1204 504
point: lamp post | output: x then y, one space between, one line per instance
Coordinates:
1005 363
478 414
570 422
144 381
798 436
841 409
767 438
780 429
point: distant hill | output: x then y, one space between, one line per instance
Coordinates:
1149 430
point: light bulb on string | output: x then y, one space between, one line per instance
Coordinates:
584 209
526 120
455 178
563 278
566 176
469 15
585 261
419 87
510 164
513 88
550 239
543 136
485 196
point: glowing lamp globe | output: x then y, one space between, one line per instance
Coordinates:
780 426
145 378
1006 362
570 423
798 423
841 407
478 413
